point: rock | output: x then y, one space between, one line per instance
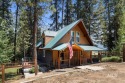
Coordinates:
43 69
26 70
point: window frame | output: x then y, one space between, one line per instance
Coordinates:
72 36
77 36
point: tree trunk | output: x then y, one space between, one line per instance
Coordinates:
62 12
16 29
67 13
3 8
56 15
34 36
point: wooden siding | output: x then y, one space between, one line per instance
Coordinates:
47 39
55 57
83 38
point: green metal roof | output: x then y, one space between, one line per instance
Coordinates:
39 43
60 47
60 34
90 48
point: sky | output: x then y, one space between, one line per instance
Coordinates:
45 18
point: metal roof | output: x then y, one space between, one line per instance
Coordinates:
50 33
60 34
39 43
60 47
84 47
90 48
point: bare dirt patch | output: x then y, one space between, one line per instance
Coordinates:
112 73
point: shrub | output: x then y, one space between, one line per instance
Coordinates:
32 70
111 59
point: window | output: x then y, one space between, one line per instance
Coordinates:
72 36
77 36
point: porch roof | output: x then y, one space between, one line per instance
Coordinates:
90 48
84 47
60 47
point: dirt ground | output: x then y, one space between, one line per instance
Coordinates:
112 73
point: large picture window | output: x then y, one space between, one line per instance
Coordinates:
72 36
77 37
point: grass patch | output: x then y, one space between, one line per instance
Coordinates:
11 74
111 59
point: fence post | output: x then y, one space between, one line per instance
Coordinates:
123 52
3 73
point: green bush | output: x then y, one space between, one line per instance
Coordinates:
32 70
111 59
105 59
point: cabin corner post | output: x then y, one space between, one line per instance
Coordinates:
58 59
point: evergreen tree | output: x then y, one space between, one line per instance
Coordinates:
5 46
26 22
6 31
55 16
119 24
68 12
84 10
23 34
98 28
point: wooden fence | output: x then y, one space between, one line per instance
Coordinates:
14 65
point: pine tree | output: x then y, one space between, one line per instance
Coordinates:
84 10
55 16
26 22
23 34
5 46
98 27
119 24
6 31
68 12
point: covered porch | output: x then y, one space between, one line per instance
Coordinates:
80 56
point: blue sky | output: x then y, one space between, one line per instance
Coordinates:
45 18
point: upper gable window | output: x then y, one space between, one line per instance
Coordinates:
77 37
72 36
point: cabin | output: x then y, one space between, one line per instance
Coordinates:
53 47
